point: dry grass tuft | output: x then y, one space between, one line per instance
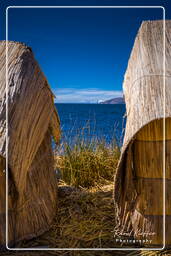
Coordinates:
88 164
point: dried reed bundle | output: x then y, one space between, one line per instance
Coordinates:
139 180
32 120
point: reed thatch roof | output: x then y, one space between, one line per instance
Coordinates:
144 95
32 120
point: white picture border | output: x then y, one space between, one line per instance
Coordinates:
164 185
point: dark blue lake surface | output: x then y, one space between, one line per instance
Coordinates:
100 121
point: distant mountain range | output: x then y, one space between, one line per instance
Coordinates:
119 100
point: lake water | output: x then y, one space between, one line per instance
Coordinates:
100 121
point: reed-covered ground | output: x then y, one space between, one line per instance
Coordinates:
85 217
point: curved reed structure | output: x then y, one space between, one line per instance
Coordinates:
32 121
139 180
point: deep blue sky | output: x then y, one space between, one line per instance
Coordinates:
83 52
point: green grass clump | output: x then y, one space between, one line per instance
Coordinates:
88 163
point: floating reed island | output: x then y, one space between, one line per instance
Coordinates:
86 217
32 121
139 180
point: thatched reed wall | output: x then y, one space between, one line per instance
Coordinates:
32 121
139 180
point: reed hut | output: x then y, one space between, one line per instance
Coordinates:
139 179
32 122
